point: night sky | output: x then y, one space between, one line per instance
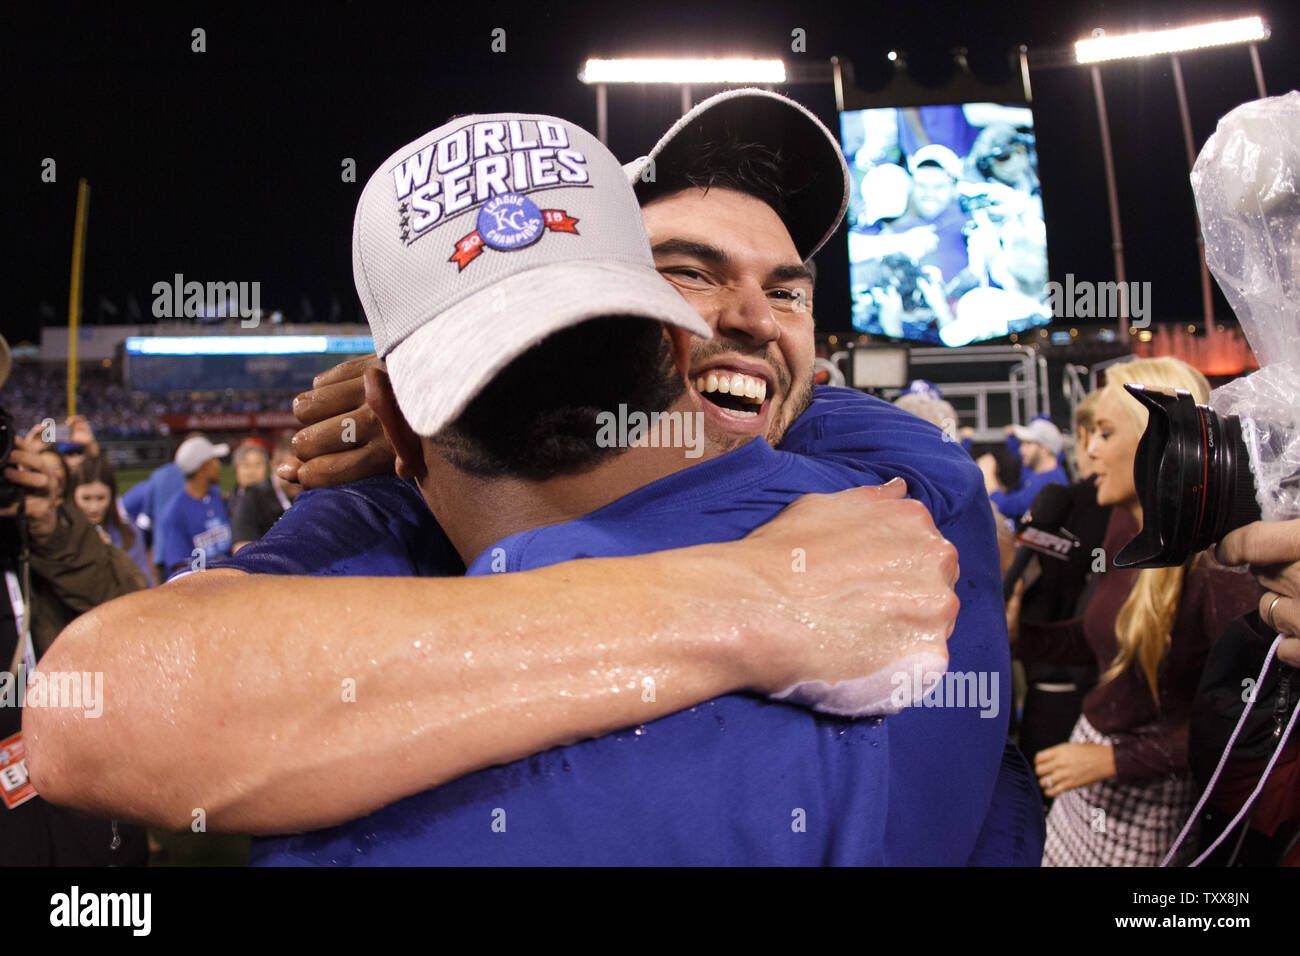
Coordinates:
225 165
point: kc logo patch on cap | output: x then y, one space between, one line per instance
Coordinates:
510 222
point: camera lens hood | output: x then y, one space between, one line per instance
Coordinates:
1193 479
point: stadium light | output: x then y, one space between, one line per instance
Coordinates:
1156 42
1100 48
704 72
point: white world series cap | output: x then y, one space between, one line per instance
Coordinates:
484 237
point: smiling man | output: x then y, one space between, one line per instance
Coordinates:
737 197
741 264
753 287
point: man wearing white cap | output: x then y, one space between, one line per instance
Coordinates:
197 526
936 171
1040 450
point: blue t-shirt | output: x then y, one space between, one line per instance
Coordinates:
135 502
195 524
1013 504
795 787
147 502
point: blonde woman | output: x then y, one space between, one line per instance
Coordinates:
1121 785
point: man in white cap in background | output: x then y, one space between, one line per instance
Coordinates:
197 528
1040 451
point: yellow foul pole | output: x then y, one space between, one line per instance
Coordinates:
74 294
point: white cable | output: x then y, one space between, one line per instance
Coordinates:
1214 778
1245 808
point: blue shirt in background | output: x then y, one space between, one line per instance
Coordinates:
1013 504
195 524
136 552
146 503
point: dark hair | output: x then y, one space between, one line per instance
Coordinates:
538 417
1009 466
750 168
94 469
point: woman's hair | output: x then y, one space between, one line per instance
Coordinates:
1145 624
98 469
1085 419
1085 413
1009 466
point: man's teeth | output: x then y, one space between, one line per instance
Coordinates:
733 383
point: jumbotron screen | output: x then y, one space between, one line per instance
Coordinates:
946 237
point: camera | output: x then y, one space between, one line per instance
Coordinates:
901 273
1193 479
1202 471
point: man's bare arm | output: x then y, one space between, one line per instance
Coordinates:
277 704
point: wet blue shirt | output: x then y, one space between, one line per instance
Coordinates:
375 527
739 779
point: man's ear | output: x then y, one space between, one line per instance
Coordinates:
679 343
406 443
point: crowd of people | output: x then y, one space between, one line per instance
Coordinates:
431 612
1119 704
188 522
117 412
83 545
